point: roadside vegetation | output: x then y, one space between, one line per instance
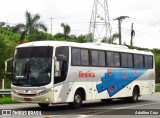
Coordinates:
6 100
157 89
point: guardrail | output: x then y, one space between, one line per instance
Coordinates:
5 92
158 84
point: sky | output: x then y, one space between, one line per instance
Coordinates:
144 14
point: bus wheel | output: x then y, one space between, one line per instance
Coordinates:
77 100
43 105
134 97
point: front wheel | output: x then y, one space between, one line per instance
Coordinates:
77 103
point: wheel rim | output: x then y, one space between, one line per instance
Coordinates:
78 98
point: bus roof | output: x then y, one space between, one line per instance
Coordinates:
99 46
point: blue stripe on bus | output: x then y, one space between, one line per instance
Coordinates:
116 79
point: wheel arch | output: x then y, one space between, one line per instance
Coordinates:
138 88
82 90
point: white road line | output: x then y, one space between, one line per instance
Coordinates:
83 116
114 109
137 105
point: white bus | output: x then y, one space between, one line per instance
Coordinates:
49 72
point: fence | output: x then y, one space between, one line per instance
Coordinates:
5 92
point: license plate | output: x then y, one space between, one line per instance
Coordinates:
27 99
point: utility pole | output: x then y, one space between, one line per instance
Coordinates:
119 26
132 34
51 24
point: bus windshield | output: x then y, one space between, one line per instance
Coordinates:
32 66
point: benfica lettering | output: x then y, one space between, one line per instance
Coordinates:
87 74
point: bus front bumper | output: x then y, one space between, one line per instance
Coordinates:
45 98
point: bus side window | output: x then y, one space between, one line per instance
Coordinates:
116 59
124 60
84 57
148 62
94 57
136 61
110 59
130 60
76 57
102 59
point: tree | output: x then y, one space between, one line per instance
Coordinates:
31 25
111 40
89 37
66 29
2 24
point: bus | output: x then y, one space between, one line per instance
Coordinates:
51 72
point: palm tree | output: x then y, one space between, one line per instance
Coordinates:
66 29
31 25
111 39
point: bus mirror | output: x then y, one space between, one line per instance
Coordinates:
57 66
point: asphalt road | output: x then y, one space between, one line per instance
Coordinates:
147 107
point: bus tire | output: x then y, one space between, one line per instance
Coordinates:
134 97
77 103
43 105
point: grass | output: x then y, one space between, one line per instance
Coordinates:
157 89
6 100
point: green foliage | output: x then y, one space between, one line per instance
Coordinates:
31 25
89 37
8 42
8 36
157 63
111 40
157 89
6 100
66 29
39 36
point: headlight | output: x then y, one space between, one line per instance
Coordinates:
14 92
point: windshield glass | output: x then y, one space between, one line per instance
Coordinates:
32 66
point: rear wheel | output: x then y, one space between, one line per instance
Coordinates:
135 95
43 105
77 103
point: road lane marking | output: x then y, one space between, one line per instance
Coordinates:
114 109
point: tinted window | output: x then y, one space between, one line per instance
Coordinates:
94 58
110 59
102 58
84 57
124 60
148 61
34 52
62 53
141 61
136 61
130 60
116 59
76 56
